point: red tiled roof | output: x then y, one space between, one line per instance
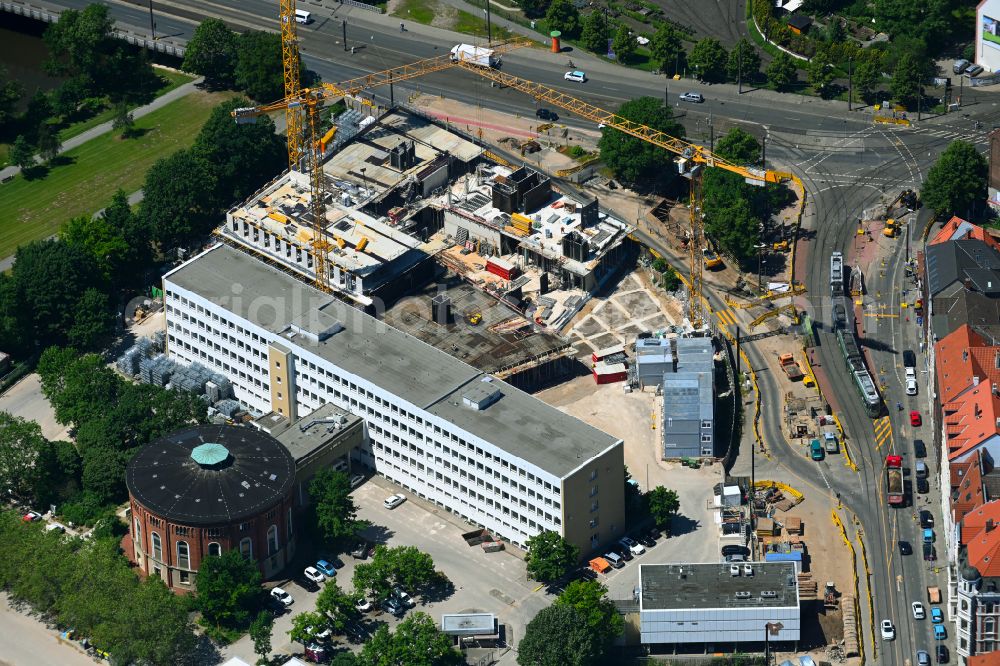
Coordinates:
984 659
958 471
968 493
953 230
984 552
954 365
975 521
973 422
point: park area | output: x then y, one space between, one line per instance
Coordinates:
84 179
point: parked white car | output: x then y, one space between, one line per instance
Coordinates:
314 574
393 501
633 546
282 596
911 381
918 611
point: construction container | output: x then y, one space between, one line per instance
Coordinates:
600 565
501 267
608 374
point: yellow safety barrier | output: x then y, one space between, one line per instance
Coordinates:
857 588
892 121
562 173
784 486
496 158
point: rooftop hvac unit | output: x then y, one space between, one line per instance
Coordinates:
747 570
768 594
734 570
742 595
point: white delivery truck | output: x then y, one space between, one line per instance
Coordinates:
477 55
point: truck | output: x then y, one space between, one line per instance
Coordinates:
837 273
934 595
477 55
894 480
790 367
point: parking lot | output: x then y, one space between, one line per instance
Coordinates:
483 582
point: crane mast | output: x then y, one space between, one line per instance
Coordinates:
290 64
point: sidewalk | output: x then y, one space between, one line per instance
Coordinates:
104 128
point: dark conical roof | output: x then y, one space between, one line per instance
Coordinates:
211 475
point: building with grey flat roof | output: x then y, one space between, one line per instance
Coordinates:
718 604
472 443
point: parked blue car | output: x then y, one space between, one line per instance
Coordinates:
937 617
939 633
326 568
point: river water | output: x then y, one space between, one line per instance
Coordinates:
22 53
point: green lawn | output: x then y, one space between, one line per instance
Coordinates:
96 170
425 11
170 80
415 10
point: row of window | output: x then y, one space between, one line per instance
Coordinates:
183 560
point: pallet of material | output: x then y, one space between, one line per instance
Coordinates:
784 505
850 626
793 524
765 527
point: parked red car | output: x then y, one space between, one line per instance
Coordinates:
915 419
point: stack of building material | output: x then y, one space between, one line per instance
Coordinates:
766 527
793 524
228 408
128 363
847 606
807 587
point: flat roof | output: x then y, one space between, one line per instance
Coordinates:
388 358
688 395
468 624
303 437
687 586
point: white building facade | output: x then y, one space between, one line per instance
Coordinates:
468 442
988 35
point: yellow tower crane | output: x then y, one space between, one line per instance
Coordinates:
305 149
693 159
290 64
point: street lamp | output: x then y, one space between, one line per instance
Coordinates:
760 254
364 179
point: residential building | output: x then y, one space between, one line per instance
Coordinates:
955 270
719 607
968 388
988 35
440 428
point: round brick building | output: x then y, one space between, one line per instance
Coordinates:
204 491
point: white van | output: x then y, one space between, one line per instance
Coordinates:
302 16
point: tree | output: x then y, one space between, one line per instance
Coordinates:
336 513
866 77
83 47
667 49
242 157
20 443
739 146
907 77
835 32
956 181
259 69
708 57
624 44
306 626
22 153
179 199
416 642
338 606
821 72
594 35
345 658
534 8
104 473
559 636
11 92
928 20
46 282
589 599
49 144
744 59
260 634
229 591
116 240
663 505
550 556
212 53
782 73
633 160
562 15
94 320
123 121
402 565
57 473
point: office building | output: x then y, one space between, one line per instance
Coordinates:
440 428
